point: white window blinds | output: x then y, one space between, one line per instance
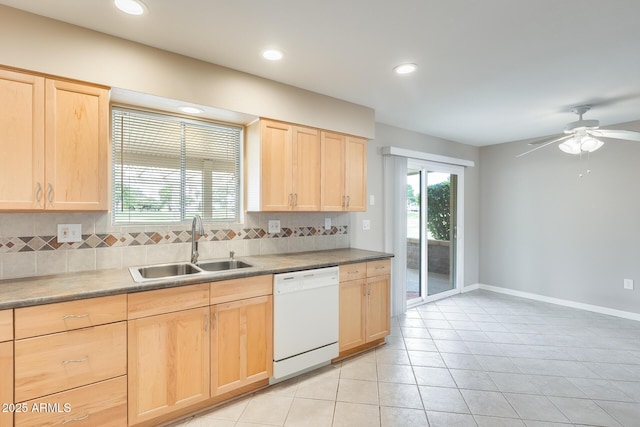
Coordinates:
166 168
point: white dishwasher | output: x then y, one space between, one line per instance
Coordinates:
305 320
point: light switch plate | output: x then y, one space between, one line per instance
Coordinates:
69 233
628 284
274 226
327 223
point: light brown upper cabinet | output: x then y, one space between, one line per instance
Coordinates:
54 139
296 168
344 172
283 167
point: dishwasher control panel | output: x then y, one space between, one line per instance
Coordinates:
305 280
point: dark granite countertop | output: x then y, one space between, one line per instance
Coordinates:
30 291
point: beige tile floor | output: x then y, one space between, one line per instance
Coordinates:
477 359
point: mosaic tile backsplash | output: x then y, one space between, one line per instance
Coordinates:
29 246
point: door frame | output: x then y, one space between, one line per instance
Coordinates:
431 166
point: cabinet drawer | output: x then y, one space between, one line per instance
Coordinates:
378 268
103 404
6 325
236 289
67 316
353 271
53 363
168 300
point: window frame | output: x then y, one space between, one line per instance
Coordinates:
180 119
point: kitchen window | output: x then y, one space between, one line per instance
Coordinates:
168 168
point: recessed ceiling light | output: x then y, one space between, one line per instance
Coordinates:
272 54
132 7
405 68
190 110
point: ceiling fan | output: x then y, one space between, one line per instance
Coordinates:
582 135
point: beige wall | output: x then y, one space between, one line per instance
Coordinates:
36 43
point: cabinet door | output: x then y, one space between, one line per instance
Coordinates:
168 363
352 314
276 165
21 141
332 171
6 381
241 343
77 120
356 174
306 169
378 320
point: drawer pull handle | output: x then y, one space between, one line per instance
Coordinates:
84 359
380 267
70 420
354 272
75 316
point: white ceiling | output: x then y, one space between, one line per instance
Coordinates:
490 71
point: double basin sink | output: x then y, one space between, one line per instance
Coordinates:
165 271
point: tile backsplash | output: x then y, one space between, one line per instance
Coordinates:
29 247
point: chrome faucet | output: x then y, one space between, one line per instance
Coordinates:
232 260
197 221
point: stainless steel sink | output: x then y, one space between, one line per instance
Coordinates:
222 265
167 271
163 271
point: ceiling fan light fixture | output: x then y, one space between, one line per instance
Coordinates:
590 144
570 146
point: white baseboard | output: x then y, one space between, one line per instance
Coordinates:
557 301
470 288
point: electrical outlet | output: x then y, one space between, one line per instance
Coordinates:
366 224
274 226
628 284
327 223
69 233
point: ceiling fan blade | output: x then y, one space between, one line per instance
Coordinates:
541 140
617 134
562 138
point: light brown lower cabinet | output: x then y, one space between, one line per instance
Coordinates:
6 382
241 343
364 304
168 363
102 404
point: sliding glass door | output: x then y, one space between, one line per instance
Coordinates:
432 230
